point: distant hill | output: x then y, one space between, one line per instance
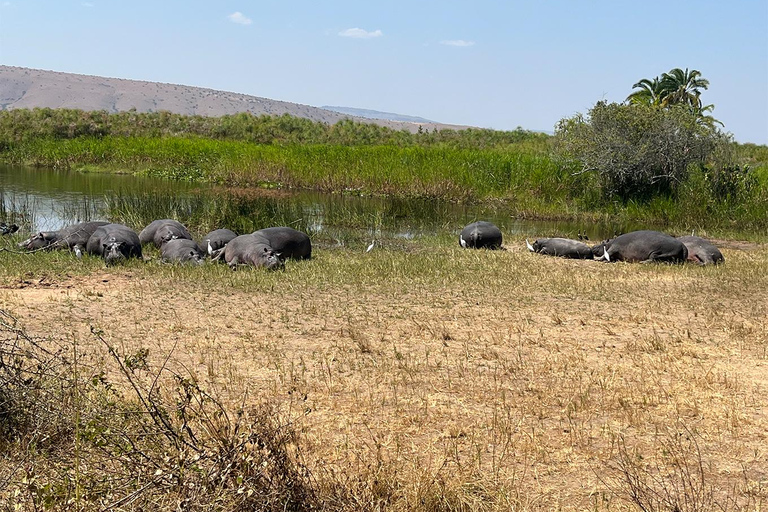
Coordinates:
375 114
30 88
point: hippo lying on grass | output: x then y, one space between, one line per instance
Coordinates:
479 235
563 247
73 237
5 229
642 246
288 243
162 230
251 250
216 240
114 243
701 251
181 250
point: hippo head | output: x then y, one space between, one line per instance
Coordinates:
165 235
194 257
113 252
38 241
271 260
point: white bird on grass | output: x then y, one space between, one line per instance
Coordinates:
370 247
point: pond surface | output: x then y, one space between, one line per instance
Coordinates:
39 199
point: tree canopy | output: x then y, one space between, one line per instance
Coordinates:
677 87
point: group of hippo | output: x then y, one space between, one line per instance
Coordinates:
643 246
268 247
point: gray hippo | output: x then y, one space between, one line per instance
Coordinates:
644 246
73 237
251 250
163 230
562 247
181 250
701 251
114 243
479 235
216 240
5 229
288 243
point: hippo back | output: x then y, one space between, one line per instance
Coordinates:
114 242
287 242
562 247
702 251
251 250
646 246
68 237
216 240
163 230
182 250
479 235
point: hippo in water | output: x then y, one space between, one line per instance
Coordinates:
216 240
562 247
643 246
73 237
181 250
251 250
288 243
479 235
701 251
162 230
114 243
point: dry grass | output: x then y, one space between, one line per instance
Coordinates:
442 379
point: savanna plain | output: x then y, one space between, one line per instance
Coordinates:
417 376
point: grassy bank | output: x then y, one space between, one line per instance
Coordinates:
518 171
422 377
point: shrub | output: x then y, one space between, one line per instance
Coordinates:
638 151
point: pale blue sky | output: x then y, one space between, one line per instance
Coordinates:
499 64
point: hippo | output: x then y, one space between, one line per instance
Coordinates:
5 229
562 247
73 237
643 246
162 230
288 243
479 235
252 250
114 243
216 240
181 250
701 251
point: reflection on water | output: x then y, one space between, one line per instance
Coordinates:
46 200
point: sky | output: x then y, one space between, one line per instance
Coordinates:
493 64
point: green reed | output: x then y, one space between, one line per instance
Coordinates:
521 177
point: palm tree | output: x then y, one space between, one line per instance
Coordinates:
650 93
677 87
683 87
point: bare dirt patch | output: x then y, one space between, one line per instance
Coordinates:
528 381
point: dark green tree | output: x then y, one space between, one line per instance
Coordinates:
637 150
677 87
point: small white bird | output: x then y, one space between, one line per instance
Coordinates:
462 242
529 246
370 247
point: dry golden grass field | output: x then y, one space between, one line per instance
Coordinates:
421 376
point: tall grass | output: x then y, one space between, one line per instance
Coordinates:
444 172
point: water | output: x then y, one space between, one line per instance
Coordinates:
39 200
